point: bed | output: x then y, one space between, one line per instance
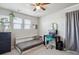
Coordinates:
23 46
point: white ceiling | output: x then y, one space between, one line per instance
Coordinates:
27 8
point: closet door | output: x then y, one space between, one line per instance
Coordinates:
5 42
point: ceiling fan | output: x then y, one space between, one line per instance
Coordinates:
39 6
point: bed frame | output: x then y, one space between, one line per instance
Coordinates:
23 46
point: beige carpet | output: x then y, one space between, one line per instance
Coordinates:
41 50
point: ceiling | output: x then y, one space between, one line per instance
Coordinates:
27 8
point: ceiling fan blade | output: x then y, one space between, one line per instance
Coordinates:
33 4
38 4
34 9
42 8
44 3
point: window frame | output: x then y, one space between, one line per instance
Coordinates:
27 24
17 23
3 22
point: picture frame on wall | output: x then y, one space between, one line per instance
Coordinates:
35 26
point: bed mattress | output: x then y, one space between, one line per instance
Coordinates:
28 44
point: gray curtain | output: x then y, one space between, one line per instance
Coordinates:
72 31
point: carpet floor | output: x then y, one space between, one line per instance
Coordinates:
41 50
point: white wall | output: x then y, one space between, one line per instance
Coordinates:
59 18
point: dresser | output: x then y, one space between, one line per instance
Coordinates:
5 42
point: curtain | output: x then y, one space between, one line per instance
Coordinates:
72 31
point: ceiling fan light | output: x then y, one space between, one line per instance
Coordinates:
37 7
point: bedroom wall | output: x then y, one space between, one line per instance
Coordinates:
21 33
59 18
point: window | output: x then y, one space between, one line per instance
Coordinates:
0 25
17 23
17 26
27 24
6 26
5 22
